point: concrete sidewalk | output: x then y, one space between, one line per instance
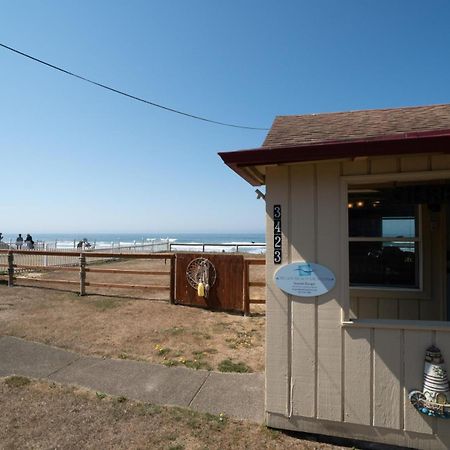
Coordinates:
237 395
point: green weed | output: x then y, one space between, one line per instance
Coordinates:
170 362
162 350
227 365
148 409
16 381
197 364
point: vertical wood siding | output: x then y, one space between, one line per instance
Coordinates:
381 367
328 235
315 368
304 313
311 372
278 317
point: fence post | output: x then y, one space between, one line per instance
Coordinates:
172 280
45 256
82 274
10 269
246 289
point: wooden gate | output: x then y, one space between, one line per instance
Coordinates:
227 292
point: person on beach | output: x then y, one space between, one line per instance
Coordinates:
1 237
29 242
83 244
19 242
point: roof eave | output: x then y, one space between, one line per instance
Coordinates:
410 143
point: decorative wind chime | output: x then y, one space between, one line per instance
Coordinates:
201 275
434 399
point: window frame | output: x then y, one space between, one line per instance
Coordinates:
399 294
418 239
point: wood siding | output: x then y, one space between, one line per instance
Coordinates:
322 376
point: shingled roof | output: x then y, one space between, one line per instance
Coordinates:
318 137
289 131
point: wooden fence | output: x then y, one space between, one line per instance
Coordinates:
248 284
83 270
15 263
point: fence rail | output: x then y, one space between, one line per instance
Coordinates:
248 284
81 258
77 262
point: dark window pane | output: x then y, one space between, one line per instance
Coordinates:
371 215
393 264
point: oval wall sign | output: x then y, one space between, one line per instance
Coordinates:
305 279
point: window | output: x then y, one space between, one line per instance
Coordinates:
384 240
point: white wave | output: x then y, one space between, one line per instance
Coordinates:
220 248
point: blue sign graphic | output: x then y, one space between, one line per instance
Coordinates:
305 279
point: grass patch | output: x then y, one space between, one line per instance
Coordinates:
196 420
104 304
16 381
271 433
199 354
148 409
197 364
163 351
201 335
243 339
227 365
170 362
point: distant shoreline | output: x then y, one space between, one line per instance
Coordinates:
112 240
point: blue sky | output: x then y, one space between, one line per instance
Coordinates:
78 158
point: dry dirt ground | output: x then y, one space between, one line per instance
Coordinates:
38 414
126 324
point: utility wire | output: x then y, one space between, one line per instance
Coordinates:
67 72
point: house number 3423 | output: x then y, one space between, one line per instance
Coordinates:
277 239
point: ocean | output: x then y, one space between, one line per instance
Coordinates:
104 240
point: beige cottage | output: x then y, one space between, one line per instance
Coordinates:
366 194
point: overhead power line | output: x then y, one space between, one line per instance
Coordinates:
139 99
